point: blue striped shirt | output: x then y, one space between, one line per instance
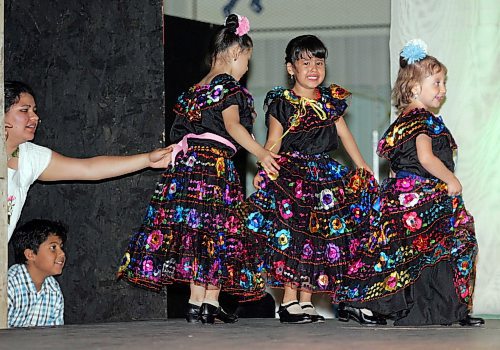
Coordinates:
29 307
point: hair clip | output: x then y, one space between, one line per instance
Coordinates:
414 51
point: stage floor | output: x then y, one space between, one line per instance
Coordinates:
255 334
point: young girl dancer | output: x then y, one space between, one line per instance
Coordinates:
423 242
310 209
192 232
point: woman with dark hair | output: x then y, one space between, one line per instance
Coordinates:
28 162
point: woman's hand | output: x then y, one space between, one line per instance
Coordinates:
454 187
161 157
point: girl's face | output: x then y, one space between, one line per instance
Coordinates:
432 91
308 73
240 65
23 120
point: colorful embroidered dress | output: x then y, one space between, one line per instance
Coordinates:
423 243
192 231
310 213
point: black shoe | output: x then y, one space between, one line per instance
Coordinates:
314 318
209 313
193 313
347 313
286 317
471 321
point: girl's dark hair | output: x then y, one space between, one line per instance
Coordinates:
226 36
32 234
305 44
13 91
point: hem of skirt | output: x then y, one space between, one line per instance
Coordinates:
157 287
296 286
358 302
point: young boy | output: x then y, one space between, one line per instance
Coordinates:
35 298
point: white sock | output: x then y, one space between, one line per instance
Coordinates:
194 302
293 309
308 308
211 302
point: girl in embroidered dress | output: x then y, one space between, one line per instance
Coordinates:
191 232
423 242
308 211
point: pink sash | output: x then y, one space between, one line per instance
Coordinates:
183 144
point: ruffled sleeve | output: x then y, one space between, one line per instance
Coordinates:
276 106
199 109
407 127
335 99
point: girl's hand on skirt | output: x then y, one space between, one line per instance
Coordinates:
454 187
257 180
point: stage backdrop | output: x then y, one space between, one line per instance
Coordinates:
465 36
97 69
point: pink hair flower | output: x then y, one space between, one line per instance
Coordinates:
243 26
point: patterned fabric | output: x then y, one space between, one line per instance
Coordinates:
308 216
418 226
399 142
191 231
308 124
29 307
199 110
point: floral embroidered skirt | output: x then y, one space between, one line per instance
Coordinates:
192 232
419 261
310 219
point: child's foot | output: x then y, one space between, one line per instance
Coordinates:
193 313
209 313
309 309
292 313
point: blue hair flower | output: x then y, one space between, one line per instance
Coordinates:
414 51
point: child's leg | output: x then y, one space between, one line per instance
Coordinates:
211 310
308 307
290 310
197 294
195 300
212 295
290 294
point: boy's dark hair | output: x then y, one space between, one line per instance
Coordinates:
13 90
305 44
225 37
32 234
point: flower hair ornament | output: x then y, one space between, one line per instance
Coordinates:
414 51
243 25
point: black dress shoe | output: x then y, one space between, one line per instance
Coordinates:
314 318
347 313
209 313
471 321
193 313
287 317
